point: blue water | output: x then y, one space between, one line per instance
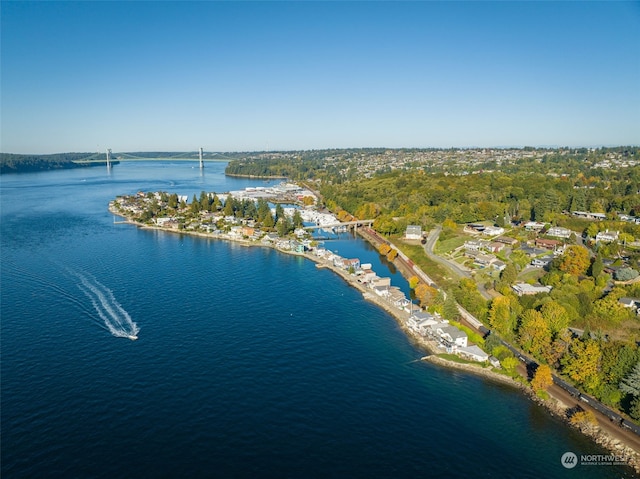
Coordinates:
250 363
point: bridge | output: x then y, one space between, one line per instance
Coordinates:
337 225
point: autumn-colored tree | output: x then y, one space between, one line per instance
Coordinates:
384 248
555 316
555 351
582 364
449 223
575 260
392 254
583 418
542 378
534 334
425 294
413 282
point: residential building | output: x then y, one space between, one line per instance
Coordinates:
607 236
524 289
473 353
413 232
558 232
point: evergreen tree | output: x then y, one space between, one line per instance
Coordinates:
297 219
228 206
450 307
631 382
597 266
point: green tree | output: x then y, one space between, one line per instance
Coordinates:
195 205
509 274
450 308
631 382
297 219
503 314
597 266
267 221
228 206
279 212
284 226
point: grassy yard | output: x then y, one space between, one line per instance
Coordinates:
435 271
443 247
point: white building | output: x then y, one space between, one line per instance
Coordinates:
524 289
413 232
558 232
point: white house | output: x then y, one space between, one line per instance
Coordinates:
607 236
558 232
533 226
473 353
523 289
413 232
493 231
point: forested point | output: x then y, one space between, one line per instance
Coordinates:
17 163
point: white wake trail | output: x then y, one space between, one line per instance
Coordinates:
110 311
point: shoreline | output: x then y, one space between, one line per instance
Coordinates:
556 405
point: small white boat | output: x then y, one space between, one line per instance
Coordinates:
132 337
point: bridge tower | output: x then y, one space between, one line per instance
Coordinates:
201 161
108 158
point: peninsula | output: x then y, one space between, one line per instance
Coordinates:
246 217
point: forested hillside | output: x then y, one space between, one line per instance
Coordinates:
14 163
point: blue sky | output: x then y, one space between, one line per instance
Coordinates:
243 76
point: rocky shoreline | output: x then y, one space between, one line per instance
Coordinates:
554 404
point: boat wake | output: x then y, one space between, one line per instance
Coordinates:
114 317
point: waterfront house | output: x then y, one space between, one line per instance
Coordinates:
384 282
398 298
473 353
495 362
354 263
449 336
380 290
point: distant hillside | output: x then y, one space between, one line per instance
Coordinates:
16 163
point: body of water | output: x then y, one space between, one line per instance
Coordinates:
249 363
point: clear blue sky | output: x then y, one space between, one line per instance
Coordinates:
238 76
